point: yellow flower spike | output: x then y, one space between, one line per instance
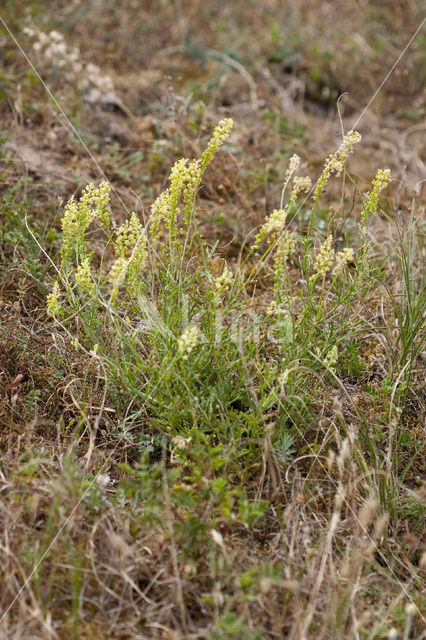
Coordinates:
53 301
275 222
335 162
94 203
325 257
117 275
300 185
130 245
83 277
224 281
342 259
380 182
188 341
165 208
331 359
184 180
220 134
285 248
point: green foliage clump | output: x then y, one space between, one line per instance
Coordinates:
177 333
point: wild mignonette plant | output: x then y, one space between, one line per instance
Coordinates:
186 351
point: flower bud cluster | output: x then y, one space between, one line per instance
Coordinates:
300 184
293 166
184 180
285 248
335 162
380 182
273 223
96 199
346 148
78 216
342 258
325 257
331 359
117 275
130 247
188 341
83 277
53 301
224 281
220 134
165 208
